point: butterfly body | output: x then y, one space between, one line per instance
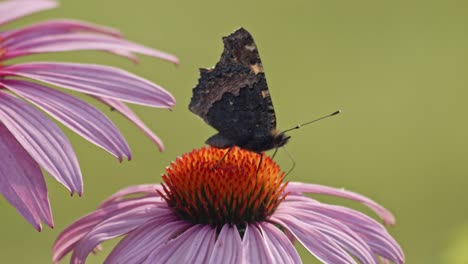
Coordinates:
233 98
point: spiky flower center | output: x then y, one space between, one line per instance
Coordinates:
202 189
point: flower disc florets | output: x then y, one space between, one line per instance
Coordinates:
205 190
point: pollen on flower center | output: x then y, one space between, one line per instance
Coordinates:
203 190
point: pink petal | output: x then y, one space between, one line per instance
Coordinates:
194 245
58 27
228 247
144 189
11 10
22 183
80 41
323 248
130 115
78 115
375 235
332 229
297 187
138 244
42 139
280 246
116 226
69 237
53 27
97 80
256 248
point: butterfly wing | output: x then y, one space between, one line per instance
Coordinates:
233 96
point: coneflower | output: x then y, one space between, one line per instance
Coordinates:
205 212
28 138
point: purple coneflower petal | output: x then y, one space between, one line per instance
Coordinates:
130 115
58 27
68 239
79 116
42 139
115 226
21 181
281 248
96 80
228 247
332 229
54 26
194 245
148 189
322 247
80 41
384 214
375 235
138 245
11 10
256 247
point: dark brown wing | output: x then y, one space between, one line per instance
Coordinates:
233 96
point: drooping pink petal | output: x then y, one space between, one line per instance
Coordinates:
130 115
323 248
384 214
228 247
256 248
53 27
80 41
144 189
78 115
194 245
332 229
11 10
375 235
58 27
138 244
42 139
116 226
97 80
69 237
281 248
22 183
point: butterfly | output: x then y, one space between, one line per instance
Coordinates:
233 98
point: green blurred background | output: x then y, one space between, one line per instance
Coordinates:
397 69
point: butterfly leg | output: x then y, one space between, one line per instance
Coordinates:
221 160
259 163
293 161
274 153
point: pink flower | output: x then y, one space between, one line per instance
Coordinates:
230 213
28 138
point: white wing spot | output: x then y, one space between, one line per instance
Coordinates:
250 47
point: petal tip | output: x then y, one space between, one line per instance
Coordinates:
50 222
38 227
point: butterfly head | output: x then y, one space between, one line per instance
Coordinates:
280 139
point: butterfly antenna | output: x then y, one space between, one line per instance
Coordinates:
313 121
